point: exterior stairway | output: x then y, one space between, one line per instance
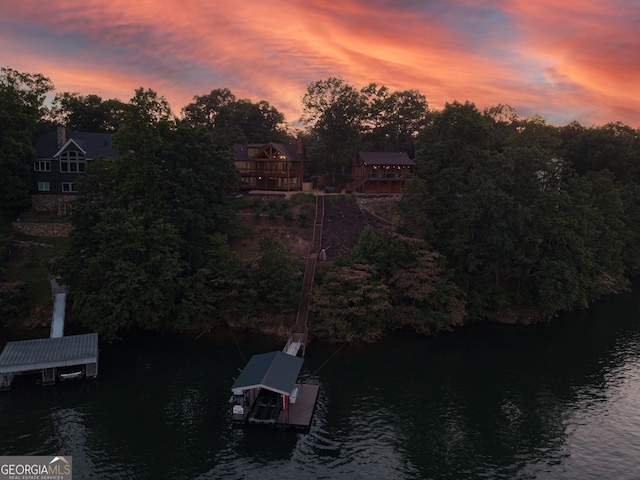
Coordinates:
357 183
299 332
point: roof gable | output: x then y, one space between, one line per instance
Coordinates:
265 151
275 371
241 151
92 144
385 158
288 151
69 146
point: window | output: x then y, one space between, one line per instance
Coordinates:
72 162
68 187
42 166
43 186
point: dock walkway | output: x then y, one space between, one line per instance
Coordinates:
59 306
266 392
54 358
299 332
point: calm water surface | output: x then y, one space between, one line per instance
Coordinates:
557 401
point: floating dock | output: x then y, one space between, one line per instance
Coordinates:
54 358
266 393
59 358
301 409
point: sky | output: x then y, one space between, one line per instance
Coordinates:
564 60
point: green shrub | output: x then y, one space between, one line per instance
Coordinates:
287 216
301 197
303 218
13 301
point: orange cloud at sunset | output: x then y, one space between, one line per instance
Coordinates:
566 61
591 46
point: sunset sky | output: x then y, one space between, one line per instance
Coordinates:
565 60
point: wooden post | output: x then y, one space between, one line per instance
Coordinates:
48 376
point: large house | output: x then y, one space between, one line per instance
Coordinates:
271 166
380 172
60 157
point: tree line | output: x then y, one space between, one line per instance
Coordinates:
505 217
532 219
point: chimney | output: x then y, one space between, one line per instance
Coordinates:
62 135
300 146
300 151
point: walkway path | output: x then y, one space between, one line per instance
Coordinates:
300 331
59 305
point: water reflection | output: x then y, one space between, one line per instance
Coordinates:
554 401
70 434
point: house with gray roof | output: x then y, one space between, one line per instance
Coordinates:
380 172
61 157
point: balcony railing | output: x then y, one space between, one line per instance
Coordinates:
390 175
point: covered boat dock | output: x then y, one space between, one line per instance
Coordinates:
58 358
266 392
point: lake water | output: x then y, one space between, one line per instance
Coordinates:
555 401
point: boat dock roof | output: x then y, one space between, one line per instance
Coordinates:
41 353
275 371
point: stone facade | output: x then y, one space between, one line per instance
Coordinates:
44 229
60 204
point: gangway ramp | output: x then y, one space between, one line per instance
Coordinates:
59 305
299 333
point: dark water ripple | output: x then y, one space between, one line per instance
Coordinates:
557 401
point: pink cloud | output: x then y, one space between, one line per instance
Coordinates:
590 44
562 60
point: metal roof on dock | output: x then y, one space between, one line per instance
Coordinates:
275 371
42 353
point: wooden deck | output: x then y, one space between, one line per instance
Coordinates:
300 414
268 410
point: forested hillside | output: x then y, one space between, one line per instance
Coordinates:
505 218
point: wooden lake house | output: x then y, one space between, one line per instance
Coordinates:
380 172
271 166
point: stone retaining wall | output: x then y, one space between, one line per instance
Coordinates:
52 203
44 229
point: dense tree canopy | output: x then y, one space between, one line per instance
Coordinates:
334 113
614 147
387 282
505 217
147 225
526 235
236 121
341 120
394 119
22 107
87 113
